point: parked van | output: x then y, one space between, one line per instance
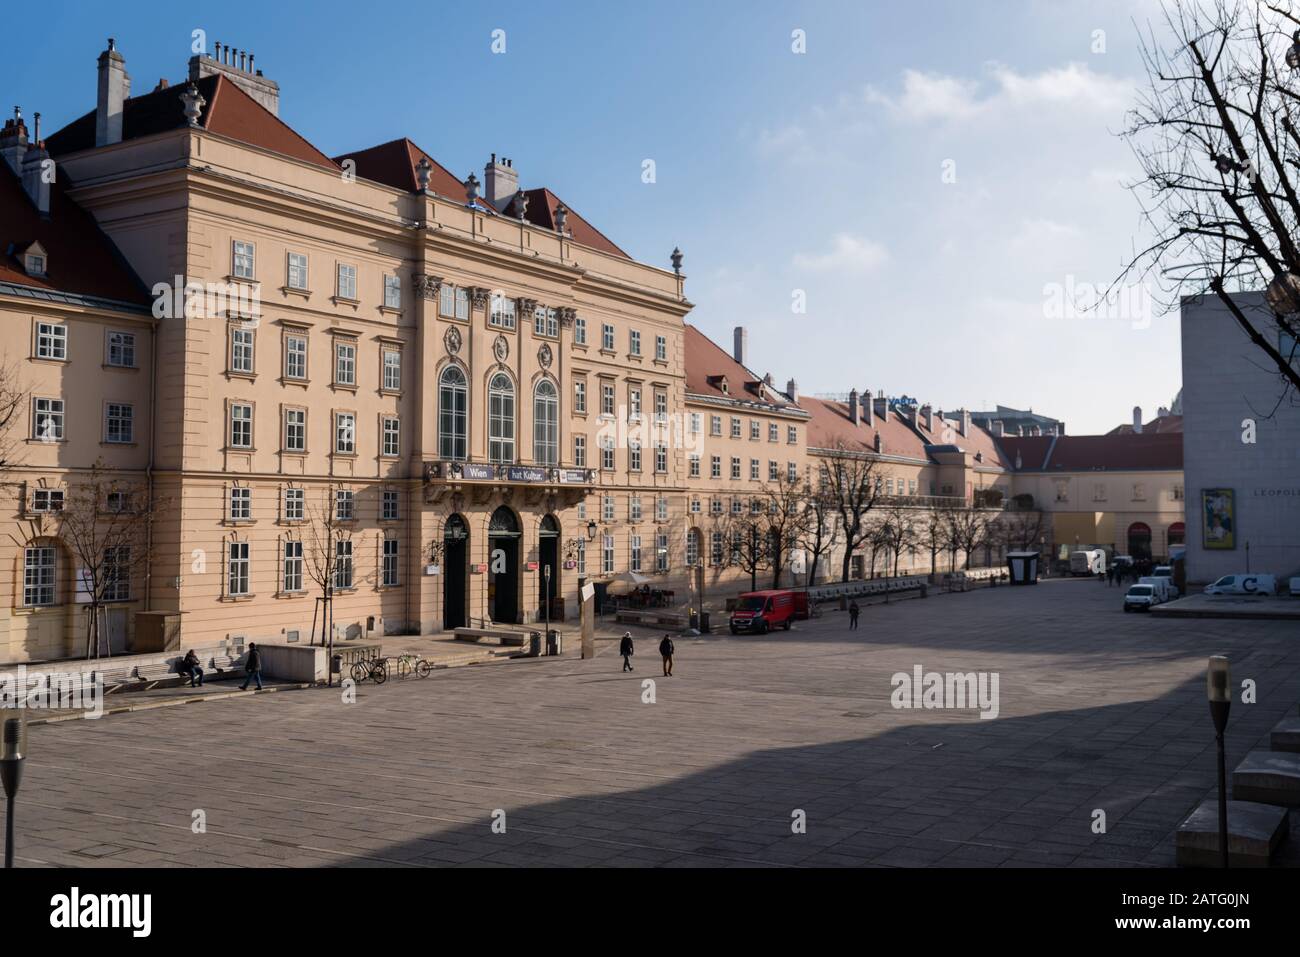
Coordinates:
1243 585
1141 597
1164 587
1090 561
758 612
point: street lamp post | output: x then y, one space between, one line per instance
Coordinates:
1217 689
546 570
13 750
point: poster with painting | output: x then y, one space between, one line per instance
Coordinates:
1217 519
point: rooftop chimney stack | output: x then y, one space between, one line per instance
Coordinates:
998 429
739 344
114 88
927 418
792 390
35 182
963 423
13 141
867 418
237 66
882 408
1137 419
854 418
500 182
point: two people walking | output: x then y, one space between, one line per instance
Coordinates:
666 650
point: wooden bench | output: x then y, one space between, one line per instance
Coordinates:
504 636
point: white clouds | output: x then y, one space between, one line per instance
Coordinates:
848 253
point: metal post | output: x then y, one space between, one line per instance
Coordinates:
1218 690
9 834
547 599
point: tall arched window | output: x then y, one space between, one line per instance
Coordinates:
501 419
453 415
546 424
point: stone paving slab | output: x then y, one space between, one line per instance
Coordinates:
782 750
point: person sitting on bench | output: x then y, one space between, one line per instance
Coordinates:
189 667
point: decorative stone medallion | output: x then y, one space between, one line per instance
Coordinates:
501 349
453 341
544 355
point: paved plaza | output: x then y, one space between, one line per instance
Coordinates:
1098 711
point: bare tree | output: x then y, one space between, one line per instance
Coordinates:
329 561
1020 530
968 528
897 529
1215 135
851 481
13 402
785 506
746 541
817 532
932 534
105 523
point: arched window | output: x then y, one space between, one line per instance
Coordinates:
501 419
1139 540
453 415
546 424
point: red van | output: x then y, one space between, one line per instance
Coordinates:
759 612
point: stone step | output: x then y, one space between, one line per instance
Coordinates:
1254 833
1286 735
1269 777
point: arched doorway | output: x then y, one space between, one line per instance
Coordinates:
548 557
1139 541
503 566
455 559
1177 535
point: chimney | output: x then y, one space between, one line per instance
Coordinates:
997 428
792 390
927 418
1035 431
867 418
1160 413
853 406
963 423
114 88
1137 419
13 142
35 182
739 344
879 446
237 66
501 182
882 408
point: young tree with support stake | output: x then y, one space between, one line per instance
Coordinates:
330 563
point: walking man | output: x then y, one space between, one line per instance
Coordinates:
625 649
666 649
854 611
252 668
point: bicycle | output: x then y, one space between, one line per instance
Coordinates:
408 663
376 669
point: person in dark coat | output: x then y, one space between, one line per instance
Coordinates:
854 611
666 649
625 649
252 668
189 668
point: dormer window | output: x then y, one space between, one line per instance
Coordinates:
35 262
719 382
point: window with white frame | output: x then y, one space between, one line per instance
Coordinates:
241 350
346 287
715 466
453 415
692 548
390 579
546 424
345 433
546 322
241 425
716 550
121 349
294 505
634 403
241 503
292 580
345 363
295 430
462 303
754 470
607 555
607 453
755 430
389 506
791 435
295 357
661 508
117 502
773 432
661 348
390 437
447 300
634 342
47 500
580 396
580 331
661 552
634 455
735 427
38 576
580 451
715 425
607 508
607 337
51 340
502 312
737 506
735 468
344 505
792 475
697 423
237 569
392 370
119 423
501 419
582 556
634 552
634 507
661 458
772 470
297 277
392 292
343 563
661 406
715 506
242 260
695 505
607 398
117 573
694 464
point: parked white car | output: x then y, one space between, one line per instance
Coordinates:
1164 587
1243 585
1163 571
1141 597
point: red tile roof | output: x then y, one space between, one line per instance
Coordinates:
393 164
1089 453
976 440
707 364
81 259
229 111
542 204
830 428
1160 425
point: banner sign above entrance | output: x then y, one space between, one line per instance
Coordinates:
525 474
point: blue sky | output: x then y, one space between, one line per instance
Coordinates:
926 177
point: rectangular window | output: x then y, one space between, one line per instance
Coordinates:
38 576
344 505
692 549
391 441
345 363
297 278
292 566
716 548
695 506
634 342
715 506
243 260
580 451
773 432
119 425
715 425
772 471
735 427
117 573
735 468
462 304
51 340
661 406
295 357
47 500
607 398
347 282
694 461
661 348
755 430
447 300
579 396
792 475
753 470
241 503
294 500
580 331
343 563
392 370
390 505
241 425
237 569
392 292
715 466
737 506
241 350
633 404
634 508
697 423
607 453
502 312
661 458
607 508
295 430
661 509
345 433
791 435
661 552
546 322
121 349
634 549
607 555
607 337
582 556
390 563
